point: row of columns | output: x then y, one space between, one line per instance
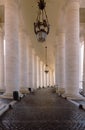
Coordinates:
67 53
20 67
31 68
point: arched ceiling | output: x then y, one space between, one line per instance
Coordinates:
54 8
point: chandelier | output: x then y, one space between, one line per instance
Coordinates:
46 66
41 26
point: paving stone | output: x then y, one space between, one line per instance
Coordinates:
43 110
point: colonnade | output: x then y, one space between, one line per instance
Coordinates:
20 67
67 53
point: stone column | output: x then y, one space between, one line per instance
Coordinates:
2 86
34 70
30 67
61 67
38 72
72 50
48 76
57 65
12 47
45 77
42 74
51 78
84 68
23 60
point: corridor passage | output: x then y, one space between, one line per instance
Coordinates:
43 110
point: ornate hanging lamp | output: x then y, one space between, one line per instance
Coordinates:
41 26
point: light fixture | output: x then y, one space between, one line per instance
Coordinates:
41 26
46 66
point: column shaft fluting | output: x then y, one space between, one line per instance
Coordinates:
30 67
72 48
57 64
34 70
2 86
12 46
61 53
42 74
23 59
83 82
38 73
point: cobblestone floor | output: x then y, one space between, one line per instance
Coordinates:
43 110
6 101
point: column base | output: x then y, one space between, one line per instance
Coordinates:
7 95
24 91
73 96
60 91
2 90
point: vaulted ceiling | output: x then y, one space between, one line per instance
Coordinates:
54 8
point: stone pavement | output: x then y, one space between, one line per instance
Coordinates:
43 110
5 104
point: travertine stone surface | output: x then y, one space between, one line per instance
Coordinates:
30 67
42 74
23 59
12 47
84 68
51 77
34 69
57 63
45 77
37 72
2 86
61 49
72 49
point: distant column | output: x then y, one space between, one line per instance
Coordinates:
57 65
34 70
30 67
38 72
84 68
2 85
